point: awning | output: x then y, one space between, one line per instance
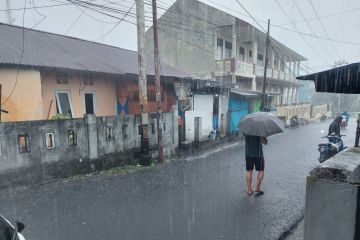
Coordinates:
242 93
343 79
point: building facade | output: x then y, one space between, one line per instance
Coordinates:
76 77
208 43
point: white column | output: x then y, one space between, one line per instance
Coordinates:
288 99
254 59
294 69
298 68
234 49
292 95
272 59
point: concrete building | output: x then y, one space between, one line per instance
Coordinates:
51 74
211 44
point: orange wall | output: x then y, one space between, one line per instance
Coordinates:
104 89
25 103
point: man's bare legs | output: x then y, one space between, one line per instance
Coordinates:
248 182
259 179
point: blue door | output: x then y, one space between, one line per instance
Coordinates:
238 108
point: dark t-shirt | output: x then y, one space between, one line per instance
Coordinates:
253 146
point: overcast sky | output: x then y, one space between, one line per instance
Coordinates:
340 18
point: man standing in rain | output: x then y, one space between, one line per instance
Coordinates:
254 158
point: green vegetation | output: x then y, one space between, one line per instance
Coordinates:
60 116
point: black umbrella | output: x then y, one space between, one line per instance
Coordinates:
261 124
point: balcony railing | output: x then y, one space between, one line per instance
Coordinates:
244 69
223 67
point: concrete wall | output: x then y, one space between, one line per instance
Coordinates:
91 134
332 207
104 89
202 107
22 93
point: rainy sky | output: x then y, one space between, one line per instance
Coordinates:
325 19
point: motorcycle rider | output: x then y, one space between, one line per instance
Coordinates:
334 128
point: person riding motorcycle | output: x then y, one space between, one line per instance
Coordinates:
334 128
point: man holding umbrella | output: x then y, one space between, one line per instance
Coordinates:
256 127
254 157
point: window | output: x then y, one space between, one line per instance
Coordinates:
61 78
124 130
49 141
250 54
219 48
24 144
242 54
228 49
109 133
63 103
90 102
164 126
88 79
72 141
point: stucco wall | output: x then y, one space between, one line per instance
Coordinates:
25 102
105 91
125 138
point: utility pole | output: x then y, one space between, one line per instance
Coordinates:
142 77
263 96
157 81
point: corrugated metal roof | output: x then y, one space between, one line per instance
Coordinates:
344 79
42 49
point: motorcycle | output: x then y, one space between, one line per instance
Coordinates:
9 232
331 148
294 122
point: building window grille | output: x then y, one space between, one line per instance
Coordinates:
49 140
24 143
109 133
72 141
124 131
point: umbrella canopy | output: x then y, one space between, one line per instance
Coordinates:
344 79
261 124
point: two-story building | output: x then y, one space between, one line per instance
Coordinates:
208 43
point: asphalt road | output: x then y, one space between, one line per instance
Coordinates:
200 198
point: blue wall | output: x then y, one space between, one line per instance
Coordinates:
238 108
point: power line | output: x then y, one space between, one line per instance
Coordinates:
287 16
309 26
35 7
21 57
325 16
120 21
39 13
242 6
322 26
75 21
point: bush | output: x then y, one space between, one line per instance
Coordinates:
60 116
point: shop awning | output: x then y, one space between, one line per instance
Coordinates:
243 93
343 79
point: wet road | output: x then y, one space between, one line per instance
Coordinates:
202 198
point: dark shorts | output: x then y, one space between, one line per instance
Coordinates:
258 162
